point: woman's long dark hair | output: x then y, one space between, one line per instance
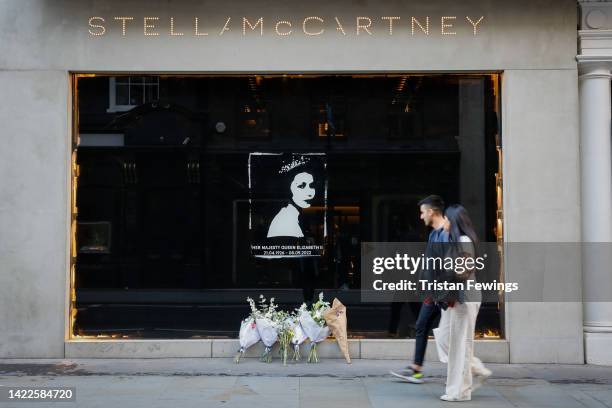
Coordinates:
460 224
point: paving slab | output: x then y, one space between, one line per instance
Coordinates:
206 382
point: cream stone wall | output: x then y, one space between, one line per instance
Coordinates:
532 42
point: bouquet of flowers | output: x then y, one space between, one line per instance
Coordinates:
298 336
314 325
336 321
285 333
248 331
266 323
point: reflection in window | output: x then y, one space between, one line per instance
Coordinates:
94 237
127 92
177 191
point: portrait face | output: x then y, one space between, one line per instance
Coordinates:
302 189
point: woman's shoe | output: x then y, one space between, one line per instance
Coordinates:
480 378
454 399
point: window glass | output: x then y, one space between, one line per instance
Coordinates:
174 197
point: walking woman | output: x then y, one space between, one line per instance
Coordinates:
462 312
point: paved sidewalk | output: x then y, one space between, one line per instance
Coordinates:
213 383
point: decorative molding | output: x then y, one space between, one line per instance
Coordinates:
582 77
597 327
595 46
594 66
595 15
594 59
597 34
595 41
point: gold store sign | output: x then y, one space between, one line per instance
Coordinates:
309 26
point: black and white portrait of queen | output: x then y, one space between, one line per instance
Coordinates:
301 185
288 194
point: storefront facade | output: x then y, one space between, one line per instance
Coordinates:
498 83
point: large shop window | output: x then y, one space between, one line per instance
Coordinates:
165 213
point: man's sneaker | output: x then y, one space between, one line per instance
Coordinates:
407 371
415 377
479 378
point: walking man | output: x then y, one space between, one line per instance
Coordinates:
432 214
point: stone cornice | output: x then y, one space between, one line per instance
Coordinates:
595 33
594 66
595 46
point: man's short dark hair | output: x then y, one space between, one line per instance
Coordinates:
434 202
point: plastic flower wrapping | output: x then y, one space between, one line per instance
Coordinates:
285 333
248 334
313 324
299 336
267 323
